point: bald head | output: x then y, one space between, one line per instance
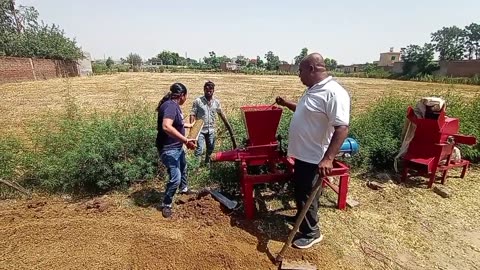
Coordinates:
315 60
312 69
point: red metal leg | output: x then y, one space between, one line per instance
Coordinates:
464 171
248 201
432 179
342 192
324 181
444 176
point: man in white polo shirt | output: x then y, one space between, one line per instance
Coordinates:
317 130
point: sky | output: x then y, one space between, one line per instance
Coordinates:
352 32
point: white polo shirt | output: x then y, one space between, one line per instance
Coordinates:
323 106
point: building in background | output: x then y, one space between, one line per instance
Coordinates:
387 59
85 65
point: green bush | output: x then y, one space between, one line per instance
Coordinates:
378 132
10 157
96 153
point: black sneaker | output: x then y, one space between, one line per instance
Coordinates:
307 242
166 212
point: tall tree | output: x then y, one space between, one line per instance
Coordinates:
418 59
242 60
300 57
273 61
450 43
260 63
21 35
109 63
169 58
134 60
472 33
331 64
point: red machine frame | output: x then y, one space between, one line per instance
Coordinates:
263 148
433 143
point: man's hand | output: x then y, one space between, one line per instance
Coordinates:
325 167
282 102
191 144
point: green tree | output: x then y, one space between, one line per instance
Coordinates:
213 61
330 64
260 63
133 59
273 61
418 60
450 43
109 63
300 57
241 60
472 33
169 58
21 35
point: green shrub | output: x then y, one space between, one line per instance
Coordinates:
96 153
10 157
378 132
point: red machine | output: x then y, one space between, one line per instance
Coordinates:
263 148
432 146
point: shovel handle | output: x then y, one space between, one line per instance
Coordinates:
301 216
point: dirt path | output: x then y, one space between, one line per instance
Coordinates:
108 233
399 227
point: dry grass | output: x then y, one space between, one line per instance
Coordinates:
400 227
24 103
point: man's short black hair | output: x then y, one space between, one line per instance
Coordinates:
209 84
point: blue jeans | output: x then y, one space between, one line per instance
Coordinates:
176 164
208 140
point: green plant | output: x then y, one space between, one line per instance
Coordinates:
95 154
10 157
378 132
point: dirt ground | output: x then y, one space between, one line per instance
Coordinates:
397 227
401 226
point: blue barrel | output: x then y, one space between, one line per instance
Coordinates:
349 146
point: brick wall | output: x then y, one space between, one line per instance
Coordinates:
466 68
16 69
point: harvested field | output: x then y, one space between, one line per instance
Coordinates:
27 102
400 226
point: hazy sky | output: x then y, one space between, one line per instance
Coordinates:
349 31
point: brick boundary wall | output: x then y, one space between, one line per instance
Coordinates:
465 68
18 69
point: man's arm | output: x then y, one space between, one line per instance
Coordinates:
167 126
338 113
326 165
193 113
282 102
